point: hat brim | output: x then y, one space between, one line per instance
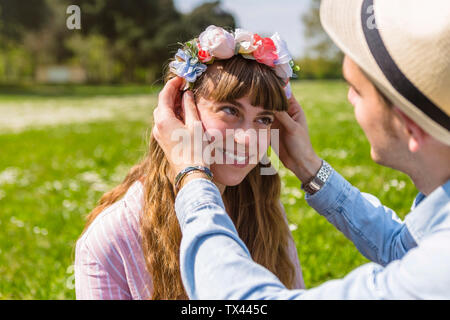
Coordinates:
342 21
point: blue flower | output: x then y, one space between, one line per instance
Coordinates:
187 66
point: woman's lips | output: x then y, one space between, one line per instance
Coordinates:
234 159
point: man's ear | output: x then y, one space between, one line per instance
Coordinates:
416 135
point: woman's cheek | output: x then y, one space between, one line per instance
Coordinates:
213 127
264 141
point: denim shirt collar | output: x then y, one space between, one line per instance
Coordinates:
420 196
429 212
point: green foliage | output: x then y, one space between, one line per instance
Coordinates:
143 35
17 18
51 177
322 59
131 41
94 55
319 43
16 63
129 27
205 15
319 68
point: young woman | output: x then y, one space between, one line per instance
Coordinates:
129 248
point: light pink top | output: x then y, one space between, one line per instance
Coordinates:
109 262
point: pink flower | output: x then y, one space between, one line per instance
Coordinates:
218 42
266 52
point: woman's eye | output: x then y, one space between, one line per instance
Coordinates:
230 110
266 120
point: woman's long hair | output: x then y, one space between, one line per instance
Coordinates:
253 205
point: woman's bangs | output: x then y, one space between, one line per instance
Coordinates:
232 79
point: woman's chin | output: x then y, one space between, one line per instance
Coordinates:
229 177
229 181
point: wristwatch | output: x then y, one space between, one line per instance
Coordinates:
317 182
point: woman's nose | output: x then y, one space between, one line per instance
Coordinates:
245 136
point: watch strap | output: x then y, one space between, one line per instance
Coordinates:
317 182
189 170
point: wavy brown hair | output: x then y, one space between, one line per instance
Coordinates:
253 205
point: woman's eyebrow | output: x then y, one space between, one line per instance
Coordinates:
265 112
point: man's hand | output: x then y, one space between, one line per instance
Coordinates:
295 149
175 137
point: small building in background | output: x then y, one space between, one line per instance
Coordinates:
60 74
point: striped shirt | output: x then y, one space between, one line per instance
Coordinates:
109 261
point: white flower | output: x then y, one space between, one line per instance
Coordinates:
282 50
218 42
245 40
288 90
284 71
282 67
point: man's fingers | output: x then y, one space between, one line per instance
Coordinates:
293 106
169 93
285 120
296 112
190 108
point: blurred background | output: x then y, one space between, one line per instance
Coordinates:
77 89
130 41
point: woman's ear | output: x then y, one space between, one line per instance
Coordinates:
179 112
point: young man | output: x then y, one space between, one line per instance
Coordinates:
398 68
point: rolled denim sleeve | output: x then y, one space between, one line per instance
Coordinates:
375 230
215 263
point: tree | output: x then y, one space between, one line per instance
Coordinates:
207 14
139 36
30 34
17 18
322 59
165 43
129 27
143 34
319 44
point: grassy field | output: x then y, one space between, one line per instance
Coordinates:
62 147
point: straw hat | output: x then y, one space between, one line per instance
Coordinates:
403 46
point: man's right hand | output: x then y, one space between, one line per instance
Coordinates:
295 149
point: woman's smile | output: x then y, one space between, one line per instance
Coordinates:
238 160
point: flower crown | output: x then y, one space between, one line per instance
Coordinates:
217 43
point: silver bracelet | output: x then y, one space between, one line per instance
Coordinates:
189 170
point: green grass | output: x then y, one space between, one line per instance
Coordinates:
51 177
18 92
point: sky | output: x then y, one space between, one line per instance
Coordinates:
264 17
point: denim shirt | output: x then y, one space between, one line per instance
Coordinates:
411 258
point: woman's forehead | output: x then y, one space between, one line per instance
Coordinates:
243 103
250 84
